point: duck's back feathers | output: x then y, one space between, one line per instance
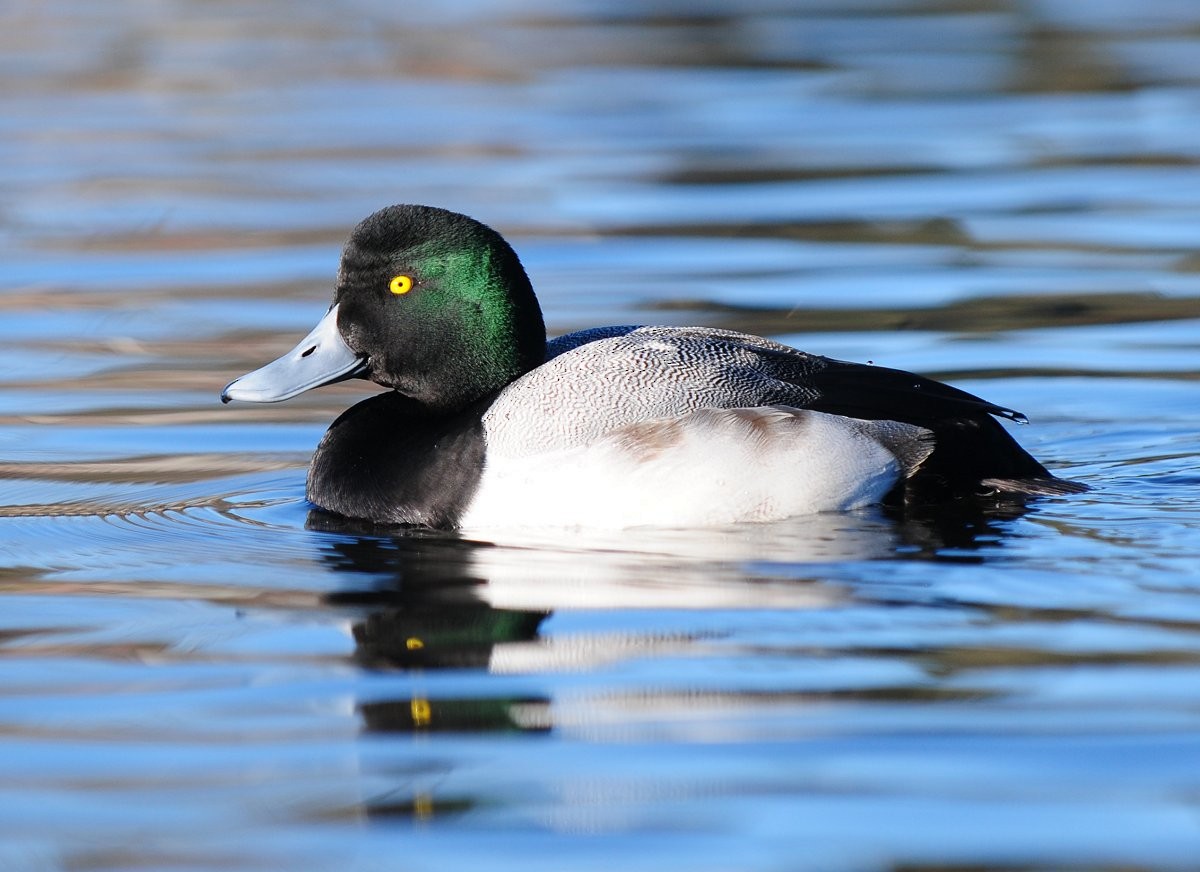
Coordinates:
599 380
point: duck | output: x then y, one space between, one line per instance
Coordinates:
485 423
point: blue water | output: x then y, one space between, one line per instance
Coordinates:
196 675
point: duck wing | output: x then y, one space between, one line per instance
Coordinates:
599 380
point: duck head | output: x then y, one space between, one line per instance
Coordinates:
430 303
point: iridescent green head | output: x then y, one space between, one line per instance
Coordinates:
428 302
438 304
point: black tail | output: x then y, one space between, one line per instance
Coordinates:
974 454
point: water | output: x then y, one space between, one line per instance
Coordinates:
196 675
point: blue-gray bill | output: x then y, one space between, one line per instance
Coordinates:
322 357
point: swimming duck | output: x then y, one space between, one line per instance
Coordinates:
485 423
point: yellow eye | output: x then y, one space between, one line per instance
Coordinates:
400 285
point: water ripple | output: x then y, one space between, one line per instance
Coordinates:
197 673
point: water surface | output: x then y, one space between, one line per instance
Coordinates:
196 674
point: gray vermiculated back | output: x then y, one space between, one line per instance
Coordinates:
601 379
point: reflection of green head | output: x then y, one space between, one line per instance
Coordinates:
441 634
469 325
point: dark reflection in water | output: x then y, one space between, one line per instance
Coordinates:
422 611
425 601
426 615
957 530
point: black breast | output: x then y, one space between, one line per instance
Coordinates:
387 460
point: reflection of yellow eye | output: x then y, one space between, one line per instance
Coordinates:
400 285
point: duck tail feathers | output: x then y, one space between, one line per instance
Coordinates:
1047 486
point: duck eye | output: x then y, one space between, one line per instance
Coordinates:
400 285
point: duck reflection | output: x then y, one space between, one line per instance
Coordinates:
427 600
956 530
422 602
417 607
440 607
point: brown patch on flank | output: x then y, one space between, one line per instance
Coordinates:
650 439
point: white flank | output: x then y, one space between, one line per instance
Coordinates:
707 468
